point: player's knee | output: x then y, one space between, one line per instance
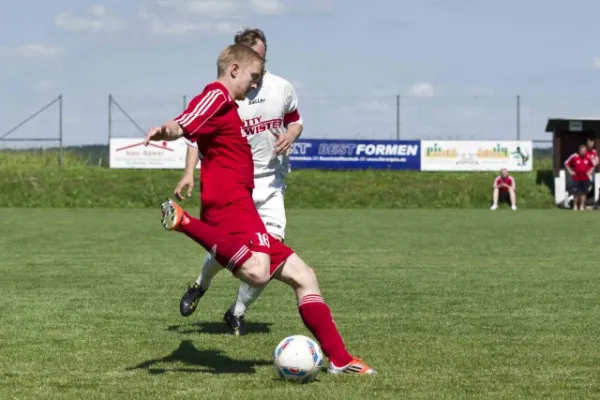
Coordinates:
256 270
257 278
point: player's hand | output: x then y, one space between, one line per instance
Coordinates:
186 181
170 130
283 145
155 134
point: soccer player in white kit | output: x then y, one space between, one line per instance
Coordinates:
272 122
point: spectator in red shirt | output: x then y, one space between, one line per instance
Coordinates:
591 152
504 190
580 167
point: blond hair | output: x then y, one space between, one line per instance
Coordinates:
236 53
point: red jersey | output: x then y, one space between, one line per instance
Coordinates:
592 154
509 180
580 165
211 120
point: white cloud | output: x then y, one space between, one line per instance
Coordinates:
95 20
181 17
481 91
227 27
422 89
596 62
375 106
44 85
177 28
268 7
212 9
39 51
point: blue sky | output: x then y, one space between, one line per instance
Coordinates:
458 65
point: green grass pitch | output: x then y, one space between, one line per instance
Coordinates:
446 304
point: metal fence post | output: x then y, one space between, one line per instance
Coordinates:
518 117
60 130
397 117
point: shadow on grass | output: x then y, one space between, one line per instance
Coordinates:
218 328
200 361
545 177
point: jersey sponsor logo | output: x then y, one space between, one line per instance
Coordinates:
256 101
275 225
257 125
362 149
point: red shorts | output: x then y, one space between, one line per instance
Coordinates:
240 221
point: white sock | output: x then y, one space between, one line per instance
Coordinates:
246 295
210 268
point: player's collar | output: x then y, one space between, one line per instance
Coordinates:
224 89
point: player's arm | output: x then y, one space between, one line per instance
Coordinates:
187 180
497 183
168 131
193 121
292 121
568 165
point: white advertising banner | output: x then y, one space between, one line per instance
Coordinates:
476 155
132 154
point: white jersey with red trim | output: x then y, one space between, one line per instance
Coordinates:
267 112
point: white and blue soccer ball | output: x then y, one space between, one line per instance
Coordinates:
298 358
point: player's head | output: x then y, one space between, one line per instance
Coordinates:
239 68
590 143
254 38
582 150
504 172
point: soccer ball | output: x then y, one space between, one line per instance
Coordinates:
298 358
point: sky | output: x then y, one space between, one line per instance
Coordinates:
457 66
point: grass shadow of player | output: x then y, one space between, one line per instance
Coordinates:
218 328
201 361
545 177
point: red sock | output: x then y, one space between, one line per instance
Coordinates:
317 318
229 253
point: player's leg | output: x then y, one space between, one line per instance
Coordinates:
233 253
585 187
189 301
315 313
577 198
513 199
272 212
495 195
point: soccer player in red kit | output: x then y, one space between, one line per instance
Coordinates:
581 167
591 152
230 226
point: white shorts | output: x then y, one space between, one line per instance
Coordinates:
268 196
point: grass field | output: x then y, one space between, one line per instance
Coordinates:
446 304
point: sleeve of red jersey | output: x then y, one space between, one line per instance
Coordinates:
292 116
496 182
570 160
200 110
